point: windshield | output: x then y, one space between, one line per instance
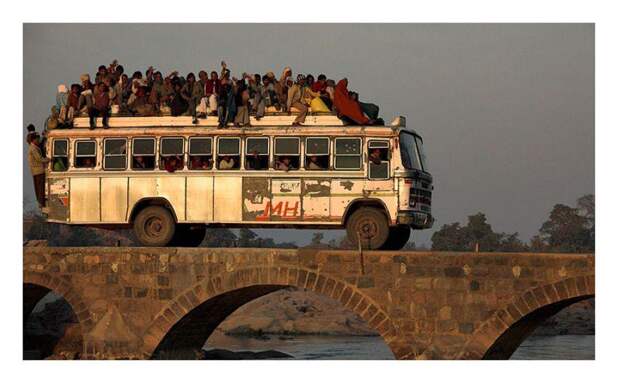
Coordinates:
408 151
422 154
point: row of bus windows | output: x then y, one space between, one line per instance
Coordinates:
286 153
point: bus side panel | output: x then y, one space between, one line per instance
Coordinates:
256 199
199 198
227 200
114 199
316 199
173 189
139 188
285 199
84 200
58 199
343 192
384 190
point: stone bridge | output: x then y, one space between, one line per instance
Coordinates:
144 302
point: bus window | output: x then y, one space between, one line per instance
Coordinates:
378 159
286 154
200 153
60 159
317 154
143 154
115 154
85 154
171 154
257 153
228 153
348 154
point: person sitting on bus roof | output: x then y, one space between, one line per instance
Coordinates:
157 96
140 105
346 106
101 106
178 105
62 99
187 92
242 101
281 85
283 164
226 163
212 88
102 72
199 95
371 110
295 94
86 94
226 108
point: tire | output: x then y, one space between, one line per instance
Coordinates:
373 226
187 235
154 226
398 238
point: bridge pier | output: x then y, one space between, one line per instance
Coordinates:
148 302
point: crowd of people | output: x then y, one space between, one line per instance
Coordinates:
232 100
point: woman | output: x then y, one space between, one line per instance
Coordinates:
347 106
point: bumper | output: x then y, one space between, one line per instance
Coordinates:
415 219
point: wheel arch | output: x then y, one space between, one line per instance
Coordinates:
152 201
365 202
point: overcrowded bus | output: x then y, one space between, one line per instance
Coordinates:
169 179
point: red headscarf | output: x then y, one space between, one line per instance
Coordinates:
347 106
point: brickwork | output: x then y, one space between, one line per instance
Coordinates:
425 305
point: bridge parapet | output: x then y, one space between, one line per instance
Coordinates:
137 302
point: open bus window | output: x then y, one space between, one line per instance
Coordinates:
228 153
378 159
115 154
143 154
200 153
348 154
60 159
85 154
286 154
171 154
257 153
317 153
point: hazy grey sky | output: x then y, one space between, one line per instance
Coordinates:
506 110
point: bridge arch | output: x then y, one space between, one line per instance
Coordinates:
203 307
501 335
37 285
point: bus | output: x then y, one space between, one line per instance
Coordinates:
169 179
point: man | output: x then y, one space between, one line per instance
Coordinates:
101 74
187 92
226 163
86 96
200 95
101 106
375 156
37 168
281 86
284 164
295 95
212 89
313 163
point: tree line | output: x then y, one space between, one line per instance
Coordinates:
568 230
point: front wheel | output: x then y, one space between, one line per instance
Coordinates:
154 226
368 226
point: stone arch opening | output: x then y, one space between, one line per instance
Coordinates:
501 335
508 342
50 325
186 324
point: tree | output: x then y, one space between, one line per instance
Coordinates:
248 238
316 239
585 205
566 230
449 238
479 232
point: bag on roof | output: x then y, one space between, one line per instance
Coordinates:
317 105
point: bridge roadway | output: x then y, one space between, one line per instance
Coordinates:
151 302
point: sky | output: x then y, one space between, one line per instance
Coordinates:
506 110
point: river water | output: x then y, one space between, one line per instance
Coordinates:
568 347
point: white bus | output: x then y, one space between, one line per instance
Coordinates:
169 179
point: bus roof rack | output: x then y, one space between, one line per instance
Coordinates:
211 121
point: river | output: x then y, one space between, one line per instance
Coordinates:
568 347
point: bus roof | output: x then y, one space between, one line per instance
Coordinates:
317 124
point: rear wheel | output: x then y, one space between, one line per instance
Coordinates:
368 225
154 226
189 235
398 238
